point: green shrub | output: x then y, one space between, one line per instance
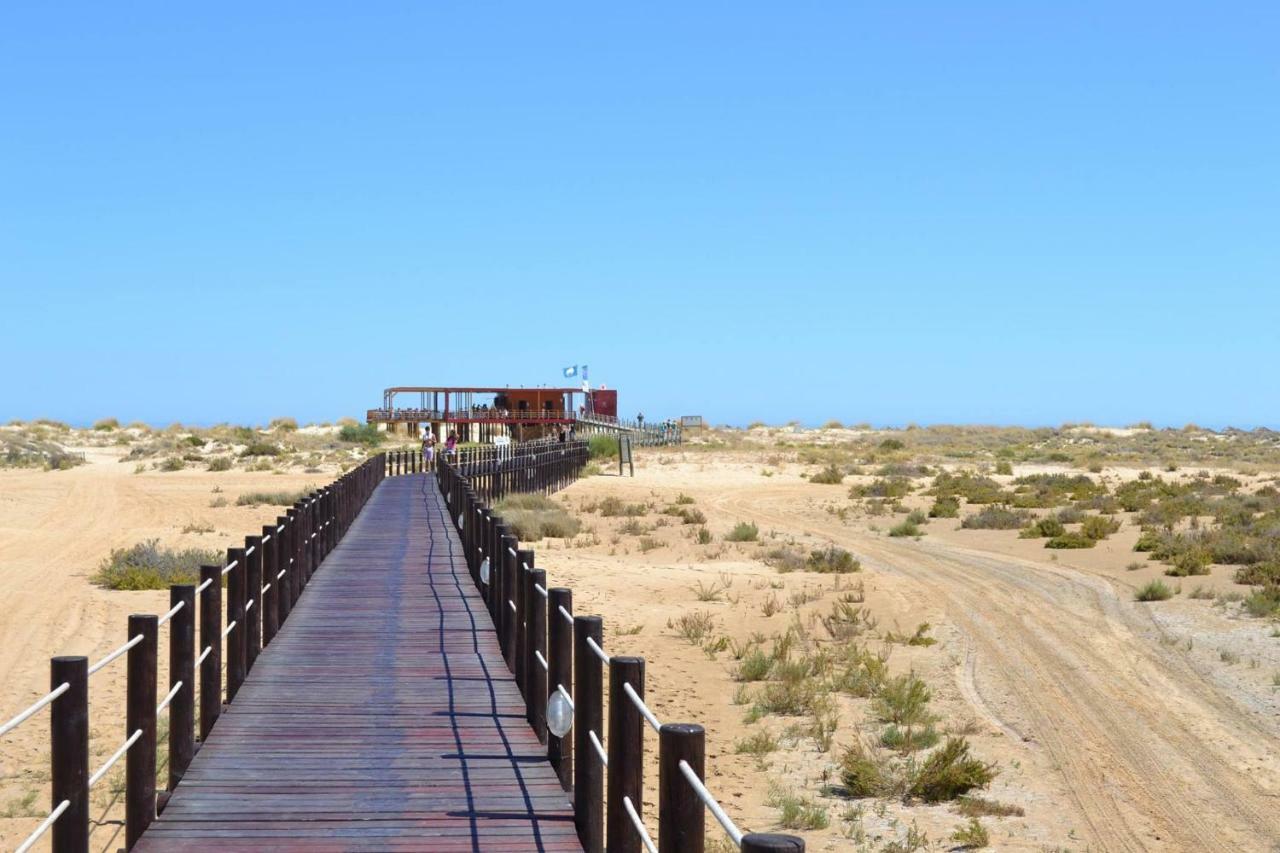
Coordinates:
907 739
995 518
1071 539
173 463
703 537
148 566
367 434
754 666
1157 590
797 812
1004 467
904 700
829 476
891 444
285 498
260 448
949 772
1041 528
832 560
220 463
533 517
1189 563
883 487
945 508
613 506
1263 602
862 774
972 835
106 425
743 531
1098 527
285 424
602 446
692 515
905 528
1259 574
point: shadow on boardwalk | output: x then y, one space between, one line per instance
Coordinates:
382 716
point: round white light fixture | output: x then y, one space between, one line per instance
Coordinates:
484 571
559 715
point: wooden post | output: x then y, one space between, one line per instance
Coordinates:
270 598
140 715
69 753
626 754
211 639
524 651
253 593
508 594
588 717
763 842
538 645
182 668
560 660
235 616
289 559
683 824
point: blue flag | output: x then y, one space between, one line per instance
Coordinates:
570 372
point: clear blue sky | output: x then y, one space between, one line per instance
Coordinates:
932 212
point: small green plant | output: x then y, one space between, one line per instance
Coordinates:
760 743
1043 527
220 463
972 835
946 507
1156 590
906 528
797 812
949 772
754 666
978 807
703 537
693 627
106 425
743 531
173 463
1004 467
863 774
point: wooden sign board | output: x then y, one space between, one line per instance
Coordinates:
624 455
691 421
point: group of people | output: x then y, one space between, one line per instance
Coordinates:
429 447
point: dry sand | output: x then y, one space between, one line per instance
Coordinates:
55 528
1116 725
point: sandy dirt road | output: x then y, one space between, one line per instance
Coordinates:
1151 755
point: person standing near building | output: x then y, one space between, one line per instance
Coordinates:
640 419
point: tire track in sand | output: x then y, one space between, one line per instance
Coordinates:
1153 756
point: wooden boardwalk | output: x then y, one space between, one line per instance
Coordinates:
382 717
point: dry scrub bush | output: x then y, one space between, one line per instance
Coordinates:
534 517
149 566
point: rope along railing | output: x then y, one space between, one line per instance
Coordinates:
286 556
559 662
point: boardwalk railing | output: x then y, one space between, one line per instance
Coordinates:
559 662
496 471
263 581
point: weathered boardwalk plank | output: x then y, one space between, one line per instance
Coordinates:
382 717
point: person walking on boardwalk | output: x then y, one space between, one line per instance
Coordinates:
428 449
